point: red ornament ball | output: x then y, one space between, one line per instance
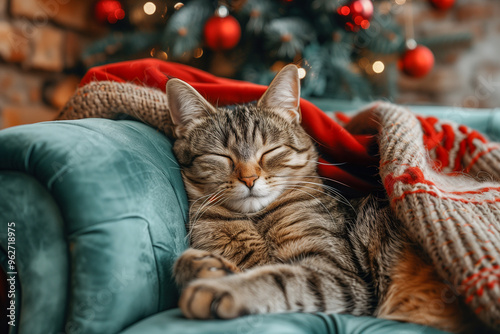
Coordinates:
222 33
357 14
417 62
442 4
109 11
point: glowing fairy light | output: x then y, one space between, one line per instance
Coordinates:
302 73
378 67
222 11
198 52
178 5
149 8
161 55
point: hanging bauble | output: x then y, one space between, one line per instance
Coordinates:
109 11
356 14
442 4
417 62
222 31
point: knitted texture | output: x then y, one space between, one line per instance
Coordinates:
109 99
442 180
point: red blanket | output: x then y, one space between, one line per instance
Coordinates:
337 146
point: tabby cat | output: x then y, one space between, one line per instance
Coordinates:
268 236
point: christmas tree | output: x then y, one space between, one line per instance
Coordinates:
346 49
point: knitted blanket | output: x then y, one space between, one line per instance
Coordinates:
442 179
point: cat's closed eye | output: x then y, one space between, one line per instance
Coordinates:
273 157
213 158
283 157
207 164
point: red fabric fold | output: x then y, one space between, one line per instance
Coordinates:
335 144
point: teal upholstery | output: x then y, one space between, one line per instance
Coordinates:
172 321
100 210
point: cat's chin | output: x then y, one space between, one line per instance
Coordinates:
251 204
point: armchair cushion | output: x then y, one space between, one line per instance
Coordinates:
172 321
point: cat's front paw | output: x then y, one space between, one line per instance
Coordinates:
194 264
206 299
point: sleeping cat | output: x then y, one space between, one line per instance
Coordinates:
268 236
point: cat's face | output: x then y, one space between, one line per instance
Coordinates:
242 158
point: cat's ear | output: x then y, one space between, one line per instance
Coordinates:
284 93
185 103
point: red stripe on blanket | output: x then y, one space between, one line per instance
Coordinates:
443 140
434 194
449 137
479 273
480 290
412 175
432 138
470 138
484 257
460 154
477 157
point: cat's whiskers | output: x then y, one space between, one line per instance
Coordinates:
206 203
301 185
193 202
214 200
315 177
340 198
326 163
314 197
329 188
321 184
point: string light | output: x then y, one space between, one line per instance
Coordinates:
411 44
149 8
178 5
222 11
198 52
302 73
378 67
160 54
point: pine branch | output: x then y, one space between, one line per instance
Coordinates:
184 30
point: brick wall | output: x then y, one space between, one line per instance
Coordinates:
41 42
40 46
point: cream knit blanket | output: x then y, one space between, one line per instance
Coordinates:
443 181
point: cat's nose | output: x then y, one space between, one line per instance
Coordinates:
249 180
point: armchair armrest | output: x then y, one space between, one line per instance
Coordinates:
99 208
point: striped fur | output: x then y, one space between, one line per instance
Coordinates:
266 234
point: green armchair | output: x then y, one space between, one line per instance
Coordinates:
98 211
